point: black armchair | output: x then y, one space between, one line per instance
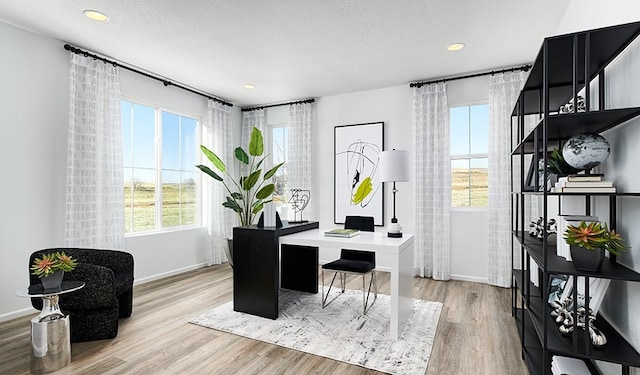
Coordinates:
106 297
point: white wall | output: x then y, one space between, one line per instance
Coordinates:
394 106
592 14
33 146
622 300
33 143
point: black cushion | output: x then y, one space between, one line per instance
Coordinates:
346 265
353 261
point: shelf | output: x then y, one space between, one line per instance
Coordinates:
559 265
564 66
605 45
561 127
531 349
617 349
552 193
517 274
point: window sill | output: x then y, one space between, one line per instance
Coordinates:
164 231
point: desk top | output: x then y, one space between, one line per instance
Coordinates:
374 241
287 228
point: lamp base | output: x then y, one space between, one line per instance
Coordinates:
394 229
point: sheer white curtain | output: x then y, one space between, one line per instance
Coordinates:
251 119
432 182
95 181
218 137
299 163
503 93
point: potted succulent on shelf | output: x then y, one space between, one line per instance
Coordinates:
50 268
588 242
248 195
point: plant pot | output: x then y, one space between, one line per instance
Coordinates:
587 260
228 250
53 281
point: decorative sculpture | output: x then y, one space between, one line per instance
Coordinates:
537 228
299 200
568 108
564 317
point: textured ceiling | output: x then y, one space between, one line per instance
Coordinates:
295 49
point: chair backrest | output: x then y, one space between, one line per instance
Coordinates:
360 255
363 223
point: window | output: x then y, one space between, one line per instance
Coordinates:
277 147
159 151
469 133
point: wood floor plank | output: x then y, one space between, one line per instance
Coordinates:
475 335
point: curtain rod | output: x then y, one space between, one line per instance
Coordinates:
524 68
148 75
277 105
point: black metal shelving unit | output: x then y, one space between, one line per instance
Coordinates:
565 66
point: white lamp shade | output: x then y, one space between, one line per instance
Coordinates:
394 165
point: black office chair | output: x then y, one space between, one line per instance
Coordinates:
356 262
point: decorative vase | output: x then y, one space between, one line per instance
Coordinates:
587 260
53 281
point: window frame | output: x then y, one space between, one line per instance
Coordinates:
268 138
470 156
158 225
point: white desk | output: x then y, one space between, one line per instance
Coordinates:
397 252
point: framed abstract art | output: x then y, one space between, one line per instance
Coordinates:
358 190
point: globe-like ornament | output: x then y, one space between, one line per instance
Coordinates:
585 151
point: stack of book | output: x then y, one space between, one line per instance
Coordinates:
568 366
345 233
584 183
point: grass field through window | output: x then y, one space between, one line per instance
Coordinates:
178 206
465 193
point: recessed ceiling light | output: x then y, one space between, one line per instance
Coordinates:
249 86
455 47
96 16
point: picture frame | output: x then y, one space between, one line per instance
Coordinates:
358 190
532 174
557 286
537 172
597 290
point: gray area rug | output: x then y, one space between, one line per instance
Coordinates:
339 331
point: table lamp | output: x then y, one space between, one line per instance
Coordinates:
394 167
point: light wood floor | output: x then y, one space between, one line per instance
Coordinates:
476 334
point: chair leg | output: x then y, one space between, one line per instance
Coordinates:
325 297
322 297
364 295
373 282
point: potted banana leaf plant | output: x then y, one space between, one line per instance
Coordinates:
248 194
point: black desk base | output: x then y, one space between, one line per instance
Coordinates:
256 267
299 268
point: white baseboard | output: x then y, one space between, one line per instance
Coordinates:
17 314
472 279
30 310
159 276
